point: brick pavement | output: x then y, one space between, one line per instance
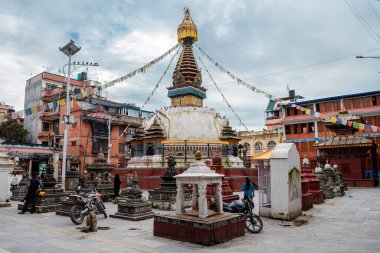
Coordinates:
346 224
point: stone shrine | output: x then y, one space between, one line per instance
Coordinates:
227 193
6 168
20 192
311 183
51 200
165 197
99 175
132 206
328 191
339 185
199 225
330 181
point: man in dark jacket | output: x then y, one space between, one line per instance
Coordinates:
33 187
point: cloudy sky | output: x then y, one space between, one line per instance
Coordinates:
306 44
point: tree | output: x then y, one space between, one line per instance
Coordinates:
12 131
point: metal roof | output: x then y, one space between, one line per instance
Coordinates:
345 141
339 97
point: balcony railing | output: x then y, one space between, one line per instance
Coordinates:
49 116
52 95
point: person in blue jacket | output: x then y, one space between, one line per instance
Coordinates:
248 188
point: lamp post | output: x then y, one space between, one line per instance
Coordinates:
69 49
373 57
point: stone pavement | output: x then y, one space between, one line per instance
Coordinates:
347 224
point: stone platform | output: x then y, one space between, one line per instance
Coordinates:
134 211
216 229
50 203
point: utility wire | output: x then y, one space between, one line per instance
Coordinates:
224 98
373 9
361 20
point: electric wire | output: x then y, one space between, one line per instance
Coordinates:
221 93
373 9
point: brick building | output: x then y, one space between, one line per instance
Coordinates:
307 132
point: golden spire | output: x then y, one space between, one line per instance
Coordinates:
187 30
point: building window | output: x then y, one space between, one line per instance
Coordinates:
50 86
271 144
45 126
317 107
374 101
258 146
77 91
121 148
73 143
45 143
287 129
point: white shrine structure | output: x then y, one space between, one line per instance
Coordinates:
199 175
6 168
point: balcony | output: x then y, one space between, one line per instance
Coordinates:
49 116
52 95
45 134
136 121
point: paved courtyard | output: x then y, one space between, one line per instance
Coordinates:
347 224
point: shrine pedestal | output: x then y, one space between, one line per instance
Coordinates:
213 230
51 202
20 192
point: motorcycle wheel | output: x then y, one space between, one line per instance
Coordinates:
76 215
101 209
253 224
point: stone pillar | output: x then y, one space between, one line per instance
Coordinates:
56 165
195 204
180 203
202 200
219 198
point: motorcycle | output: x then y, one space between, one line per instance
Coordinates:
244 207
88 200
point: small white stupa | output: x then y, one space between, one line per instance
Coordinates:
6 168
199 175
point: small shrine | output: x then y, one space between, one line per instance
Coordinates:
165 197
329 181
51 200
72 174
199 224
327 189
227 193
99 175
6 168
311 190
132 206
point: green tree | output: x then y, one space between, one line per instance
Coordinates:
12 131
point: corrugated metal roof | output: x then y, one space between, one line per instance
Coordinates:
344 141
339 97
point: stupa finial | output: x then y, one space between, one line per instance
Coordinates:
187 30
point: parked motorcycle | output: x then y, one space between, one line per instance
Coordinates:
243 207
88 200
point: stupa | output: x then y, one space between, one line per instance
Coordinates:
6 168
199 224
99 173
165 197
186 126
132 206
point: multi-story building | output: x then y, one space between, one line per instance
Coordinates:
44 127
256 142
307 132
7 113
98 122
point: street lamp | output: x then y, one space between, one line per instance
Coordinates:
69 49
373 57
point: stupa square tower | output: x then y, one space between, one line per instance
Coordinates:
186 126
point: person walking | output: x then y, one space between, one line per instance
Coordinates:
116 185
248 188
34 185
14 181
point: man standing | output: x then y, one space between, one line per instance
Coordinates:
248 188
33 187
